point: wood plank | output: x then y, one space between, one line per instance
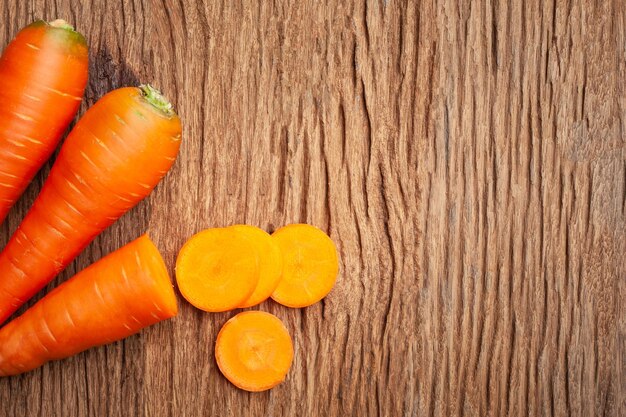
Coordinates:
468 159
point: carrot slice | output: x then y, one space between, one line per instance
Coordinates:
218 269
310 267
254 351
270 264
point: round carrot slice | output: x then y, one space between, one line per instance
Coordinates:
217 269
254 351
310 266
270 264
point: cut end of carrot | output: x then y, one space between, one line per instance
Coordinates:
310 266
164 296
156 99
254 351
217 269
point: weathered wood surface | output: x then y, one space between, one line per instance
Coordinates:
468 159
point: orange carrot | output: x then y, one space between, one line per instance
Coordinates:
254 351
310 265
110 300
218 269
270 264
112 159
43 73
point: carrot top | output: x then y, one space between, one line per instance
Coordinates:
61 24
62 33
156 99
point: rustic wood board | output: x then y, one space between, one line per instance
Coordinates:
468 159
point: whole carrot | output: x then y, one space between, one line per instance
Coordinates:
43 73
110 300
112 159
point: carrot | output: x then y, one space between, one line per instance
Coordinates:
254 351
218 269
310 265
43 73
270 264
112 299
112 159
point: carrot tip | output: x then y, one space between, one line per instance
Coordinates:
156 99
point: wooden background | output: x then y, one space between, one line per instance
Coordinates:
467 158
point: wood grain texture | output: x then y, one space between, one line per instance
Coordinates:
468 158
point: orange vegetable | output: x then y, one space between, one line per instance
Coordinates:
218 269
270 264
112 159
43 73
254 351
110 300
310 265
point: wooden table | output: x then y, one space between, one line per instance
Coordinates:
467 159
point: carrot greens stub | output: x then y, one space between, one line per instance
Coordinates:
156 99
